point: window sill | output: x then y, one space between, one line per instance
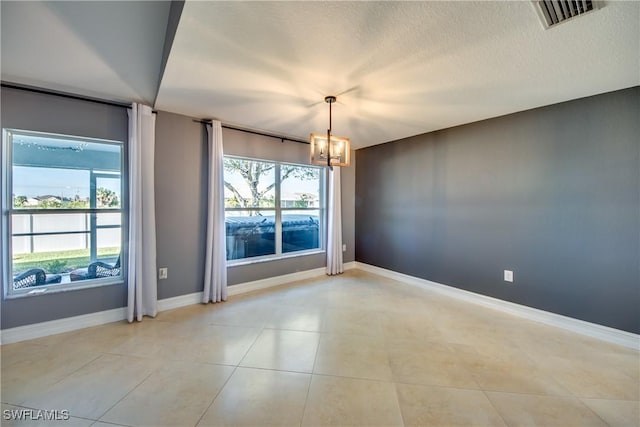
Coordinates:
54 289
261 260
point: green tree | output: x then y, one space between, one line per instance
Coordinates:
106 198
232 202
303 200
77 204
19 201
252 172
49 204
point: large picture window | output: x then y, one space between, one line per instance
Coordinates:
271 208
63 204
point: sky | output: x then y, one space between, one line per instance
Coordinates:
32 182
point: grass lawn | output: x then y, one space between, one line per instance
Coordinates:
61 261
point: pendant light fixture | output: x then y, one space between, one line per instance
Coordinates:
329 150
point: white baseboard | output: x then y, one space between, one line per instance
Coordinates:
243 288
280 280
593 330
43 329
179 301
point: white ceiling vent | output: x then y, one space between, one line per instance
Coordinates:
554 12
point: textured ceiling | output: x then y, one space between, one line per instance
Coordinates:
398 68
403 68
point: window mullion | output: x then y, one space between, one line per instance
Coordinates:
278 229
93 218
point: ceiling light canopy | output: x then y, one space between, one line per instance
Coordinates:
329 150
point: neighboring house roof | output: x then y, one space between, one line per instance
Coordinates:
48 198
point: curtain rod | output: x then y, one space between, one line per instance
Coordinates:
67 95
281 138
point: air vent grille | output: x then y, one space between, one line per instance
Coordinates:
553 12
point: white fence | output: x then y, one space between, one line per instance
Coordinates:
63 223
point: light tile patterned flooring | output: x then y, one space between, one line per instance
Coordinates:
356 349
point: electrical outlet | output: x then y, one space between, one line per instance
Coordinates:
344 248
508 276
163 273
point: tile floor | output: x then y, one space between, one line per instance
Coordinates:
357 349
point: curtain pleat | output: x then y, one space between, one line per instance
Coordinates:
142 281
215 277
334 224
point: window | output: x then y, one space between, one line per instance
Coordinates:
63 204
271 208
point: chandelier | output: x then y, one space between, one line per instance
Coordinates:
329 150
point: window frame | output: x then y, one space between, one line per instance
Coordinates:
8 211
278 209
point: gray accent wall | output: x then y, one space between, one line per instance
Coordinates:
348 200
181 201
552 194
45 113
